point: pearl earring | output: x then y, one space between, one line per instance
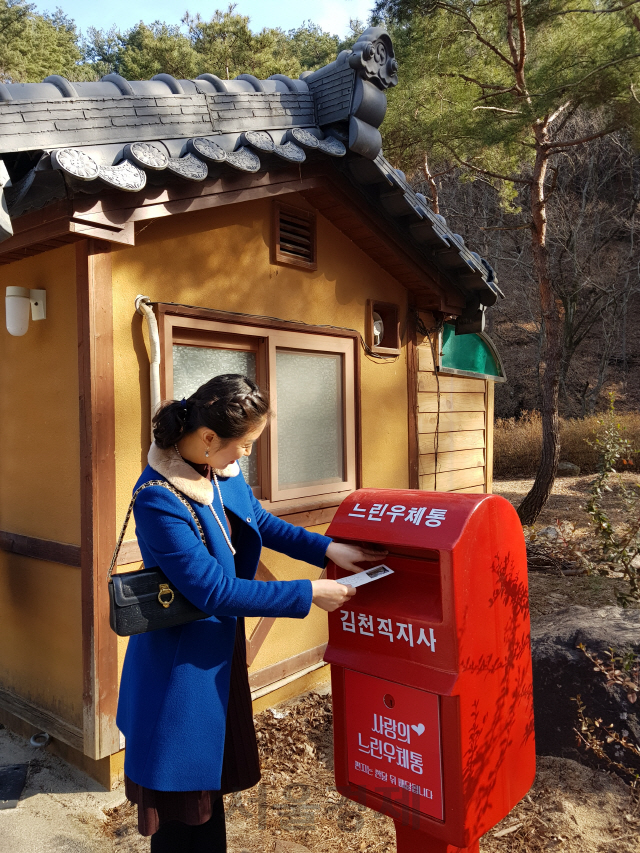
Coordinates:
206 453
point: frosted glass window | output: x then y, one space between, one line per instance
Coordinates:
193 366
309 419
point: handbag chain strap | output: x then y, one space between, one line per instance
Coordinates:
180 497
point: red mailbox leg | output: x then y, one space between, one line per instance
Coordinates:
409 840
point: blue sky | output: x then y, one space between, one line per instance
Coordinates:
332 15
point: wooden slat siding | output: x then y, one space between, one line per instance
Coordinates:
425 358
458 406
452 461
448 441
450 481
451 421
488 480
98 494
412 400
41 719
40 549
451 402
284 668
470 490
428 382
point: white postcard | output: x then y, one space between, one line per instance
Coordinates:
366 576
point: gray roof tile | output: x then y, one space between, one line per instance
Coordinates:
104 124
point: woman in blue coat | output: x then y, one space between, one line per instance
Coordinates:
185 703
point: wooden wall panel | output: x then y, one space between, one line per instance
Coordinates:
429 382
447 441
451 461
452 402
488 484
460 456
412 401
451 421
450 481
425 358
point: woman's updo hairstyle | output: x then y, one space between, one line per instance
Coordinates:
231 405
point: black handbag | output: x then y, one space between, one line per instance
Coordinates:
144 600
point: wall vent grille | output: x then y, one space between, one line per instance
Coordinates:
294 237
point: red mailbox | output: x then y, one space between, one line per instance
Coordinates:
431 666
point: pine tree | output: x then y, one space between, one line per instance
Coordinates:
492 87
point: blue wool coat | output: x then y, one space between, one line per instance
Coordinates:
175 681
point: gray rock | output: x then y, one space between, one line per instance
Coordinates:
568 469
562 672
549 533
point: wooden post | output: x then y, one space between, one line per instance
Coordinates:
410 840
98 499
412 400
488 459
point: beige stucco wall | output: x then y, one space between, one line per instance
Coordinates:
40 615
41 634
219 259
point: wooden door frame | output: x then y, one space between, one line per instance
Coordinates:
98 494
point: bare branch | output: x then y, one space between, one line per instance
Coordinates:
513 88
499 110
558 112
510 38
432 186
572 142
487 172
596 11
499 89
523 37
461 14
590 74
504 227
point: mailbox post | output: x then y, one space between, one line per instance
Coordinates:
431 667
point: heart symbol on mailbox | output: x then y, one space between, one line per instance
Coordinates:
419 729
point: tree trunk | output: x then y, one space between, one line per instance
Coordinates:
552 312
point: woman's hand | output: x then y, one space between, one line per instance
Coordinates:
329 595
346 556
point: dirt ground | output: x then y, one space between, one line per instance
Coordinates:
296 808
549 592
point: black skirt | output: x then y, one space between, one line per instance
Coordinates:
240 764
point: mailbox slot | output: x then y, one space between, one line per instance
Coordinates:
415 590
419 644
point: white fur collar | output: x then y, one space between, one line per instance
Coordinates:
183 477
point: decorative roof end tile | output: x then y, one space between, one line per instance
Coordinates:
373 58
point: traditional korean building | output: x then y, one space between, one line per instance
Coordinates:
182 228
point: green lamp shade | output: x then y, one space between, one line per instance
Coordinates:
470 353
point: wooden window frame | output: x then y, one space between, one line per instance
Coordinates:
285 258
199 333
202 327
